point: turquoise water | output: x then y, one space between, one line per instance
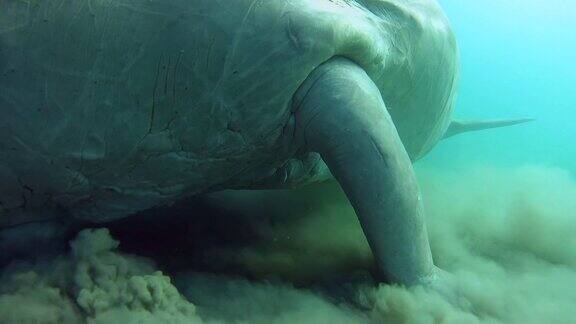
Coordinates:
518 60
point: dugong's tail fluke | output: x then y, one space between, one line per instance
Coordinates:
463 126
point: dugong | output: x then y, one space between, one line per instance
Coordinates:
110 107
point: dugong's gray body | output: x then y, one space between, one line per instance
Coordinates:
111 107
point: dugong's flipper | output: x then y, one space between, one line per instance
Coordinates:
341 114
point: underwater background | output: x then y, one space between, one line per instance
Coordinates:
518 59
501 208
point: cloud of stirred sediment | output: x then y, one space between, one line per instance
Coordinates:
507 235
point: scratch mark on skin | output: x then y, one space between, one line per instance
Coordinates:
76 181
292 36
174 99
90 8
376 148
75 15
28 149
142 49
265 59
130 155
98 170
135 160
25 188
153 111
167 69
14 28
231 53
46 89
175 78
209 51
210 47
142 11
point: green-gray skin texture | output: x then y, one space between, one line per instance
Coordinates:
110 107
